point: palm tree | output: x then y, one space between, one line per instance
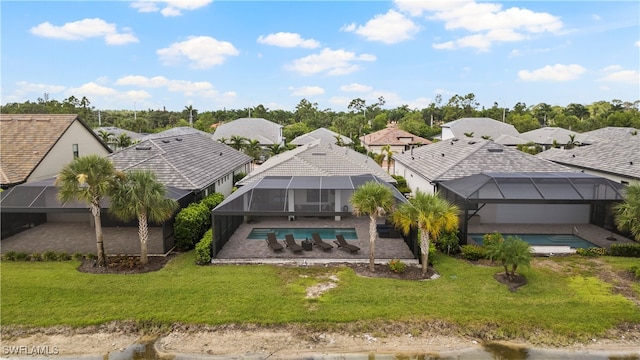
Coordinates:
511 251
627 213
373 199
223 140
105 136
389 154
253 149
88 179
238 142
275 149
139 195
431 214
572 142
123 141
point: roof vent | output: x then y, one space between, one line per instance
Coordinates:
143 147
471 142
178 139
165 141
454 139
494 150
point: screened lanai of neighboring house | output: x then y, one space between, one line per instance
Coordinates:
291 196
554 197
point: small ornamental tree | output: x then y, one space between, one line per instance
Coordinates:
510 252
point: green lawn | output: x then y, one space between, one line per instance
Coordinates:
564 301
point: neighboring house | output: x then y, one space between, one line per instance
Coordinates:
325 135
610 133
426 166
191 161
617 160
176 131
478 128
398 140
35 147
266 132
549 137
317 158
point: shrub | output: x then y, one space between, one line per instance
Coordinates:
401 184
239 176
473 252
397 266
63 256
49 256
449 243
10 255
193 221
91 256
635 270
22 256
592 251
491 240
35 257
203 248
512 252
77 256
626 250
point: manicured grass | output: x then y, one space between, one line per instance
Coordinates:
571 302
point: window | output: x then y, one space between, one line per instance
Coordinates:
76 153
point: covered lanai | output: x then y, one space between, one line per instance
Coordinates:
545 199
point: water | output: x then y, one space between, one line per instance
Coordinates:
572 241
303 233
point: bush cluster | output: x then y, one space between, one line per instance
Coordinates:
401 184
473 252
45 256
449 243
203 248
593 251
397 266
626 250
193 221
635 270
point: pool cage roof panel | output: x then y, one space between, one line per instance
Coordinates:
41 196
534 187
271 193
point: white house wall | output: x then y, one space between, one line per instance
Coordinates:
414 180
535 214
62 152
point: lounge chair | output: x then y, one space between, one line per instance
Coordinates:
317 241
342 244
291 244
273 242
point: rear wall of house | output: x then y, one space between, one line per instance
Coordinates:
535 214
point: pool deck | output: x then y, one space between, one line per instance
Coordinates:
591 233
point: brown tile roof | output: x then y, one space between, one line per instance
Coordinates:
392 136
25 139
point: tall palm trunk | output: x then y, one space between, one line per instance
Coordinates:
143 234
424 250
372 242
95 211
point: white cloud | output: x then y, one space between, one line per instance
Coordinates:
84 29
355 87
306 91
555 73
638 43
617 75
92 89
488 23
288 40
188 88
330 62
201 51
28 87
169 8
596 17
390 28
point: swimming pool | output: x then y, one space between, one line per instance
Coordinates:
303 233
570 240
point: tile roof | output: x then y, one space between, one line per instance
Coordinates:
25 139
265 131
614 157
189 161
318 159
321 133
546 135
116 131
607 133
176 131
452 159
480 127
391 135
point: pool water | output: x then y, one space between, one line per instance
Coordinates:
546 240
303 233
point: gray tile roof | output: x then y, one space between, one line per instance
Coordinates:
480 127
176 131
190 161
615 157
607 134
452 159
321 133
116 131
265 131
546 135
510 140
318 159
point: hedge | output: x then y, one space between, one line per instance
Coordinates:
193 221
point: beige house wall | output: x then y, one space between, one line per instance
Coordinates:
62 152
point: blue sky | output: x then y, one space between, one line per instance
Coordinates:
237 54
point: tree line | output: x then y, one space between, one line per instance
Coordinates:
360 118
